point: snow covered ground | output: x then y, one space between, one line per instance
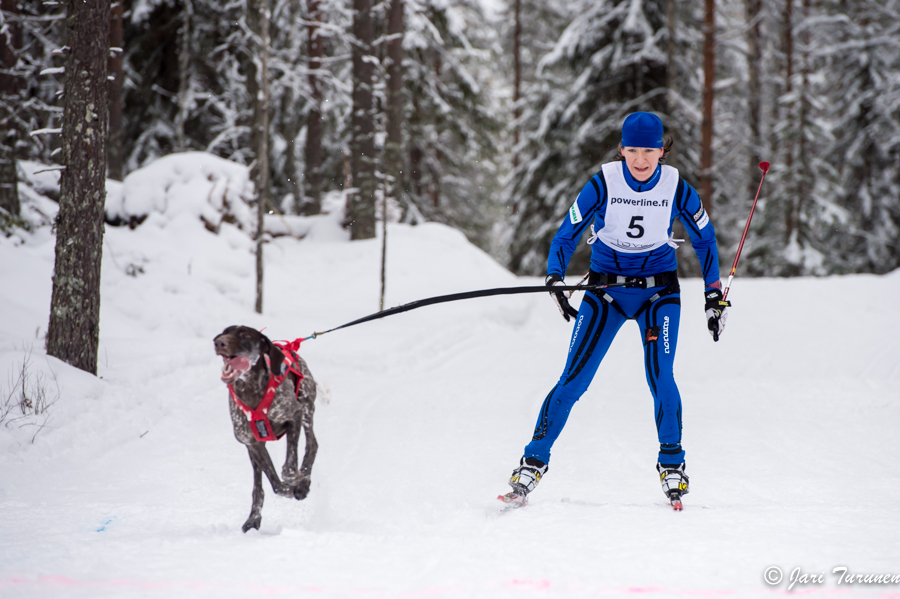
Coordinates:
137 488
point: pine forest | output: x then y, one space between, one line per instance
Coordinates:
490 115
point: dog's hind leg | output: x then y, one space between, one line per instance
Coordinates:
255 518
312 446
289 471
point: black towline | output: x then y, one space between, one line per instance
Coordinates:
440 299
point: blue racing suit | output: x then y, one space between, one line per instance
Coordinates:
656 309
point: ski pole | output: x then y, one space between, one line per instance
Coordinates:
764 166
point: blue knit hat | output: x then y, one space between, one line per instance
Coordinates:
642 130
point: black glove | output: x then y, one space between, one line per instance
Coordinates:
716 313
561 297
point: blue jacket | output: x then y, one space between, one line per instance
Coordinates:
592 202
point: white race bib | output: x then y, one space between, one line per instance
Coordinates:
637 222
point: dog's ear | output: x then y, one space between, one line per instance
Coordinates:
265 345
275 355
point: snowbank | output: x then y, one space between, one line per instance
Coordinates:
194 184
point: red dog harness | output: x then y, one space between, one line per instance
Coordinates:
258 418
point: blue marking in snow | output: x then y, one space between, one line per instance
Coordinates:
103 526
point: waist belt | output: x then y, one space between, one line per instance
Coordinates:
662 279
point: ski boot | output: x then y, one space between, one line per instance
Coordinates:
523 481
674 483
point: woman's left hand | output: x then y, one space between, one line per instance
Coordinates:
716 313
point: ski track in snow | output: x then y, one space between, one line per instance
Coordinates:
137 487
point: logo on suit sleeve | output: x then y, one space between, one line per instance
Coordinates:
701 218
575 213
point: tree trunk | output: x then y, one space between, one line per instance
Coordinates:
804 180
671 71
788 88
114 157
314 131
9 181
10 41
262 150
251 71
754 96
361 203
292 122
10 84
184 75
706 132
393 161
436 144
517 79
73 334
290 129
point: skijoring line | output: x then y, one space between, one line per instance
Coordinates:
440 299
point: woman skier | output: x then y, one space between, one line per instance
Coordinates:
630 205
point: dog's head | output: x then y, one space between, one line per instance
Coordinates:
241 349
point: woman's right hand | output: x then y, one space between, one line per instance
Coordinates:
561 297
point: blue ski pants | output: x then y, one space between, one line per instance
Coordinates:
595 328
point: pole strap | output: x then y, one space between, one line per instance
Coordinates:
440 299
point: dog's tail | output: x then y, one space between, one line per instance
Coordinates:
323 391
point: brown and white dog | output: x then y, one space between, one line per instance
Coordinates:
251 361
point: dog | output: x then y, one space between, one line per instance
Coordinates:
253 366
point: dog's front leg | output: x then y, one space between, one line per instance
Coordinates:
255 518
260 455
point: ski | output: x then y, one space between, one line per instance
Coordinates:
513 500
676 503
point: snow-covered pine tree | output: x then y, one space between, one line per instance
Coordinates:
798 208
737 141
529 28
449 135
610 61
206 93
360 213
10 84
310 85
31 78
862 62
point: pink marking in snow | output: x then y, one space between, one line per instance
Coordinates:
541 585
430 592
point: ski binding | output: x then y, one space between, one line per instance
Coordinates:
675 500
513 499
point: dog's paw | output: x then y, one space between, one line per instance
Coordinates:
301 489
252 522
284 489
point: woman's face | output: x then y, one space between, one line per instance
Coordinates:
642 162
